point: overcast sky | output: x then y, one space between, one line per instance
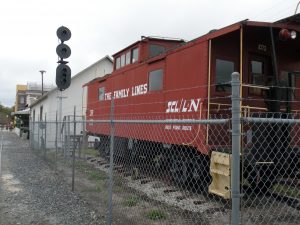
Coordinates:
99 28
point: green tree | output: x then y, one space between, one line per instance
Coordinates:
5 114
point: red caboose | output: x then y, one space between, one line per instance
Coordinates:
158 78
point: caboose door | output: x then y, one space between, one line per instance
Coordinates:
260 76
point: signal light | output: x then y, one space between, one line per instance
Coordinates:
63 33
63 72
285 34
63 51
293 34
63 76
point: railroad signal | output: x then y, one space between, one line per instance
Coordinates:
63 51
63 33
63 76
63 71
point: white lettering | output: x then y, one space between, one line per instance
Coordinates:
184 109
194 106
139 90
176 127
191 105
168 127
108 96
91 112
187 128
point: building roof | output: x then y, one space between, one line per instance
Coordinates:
78 74
21 112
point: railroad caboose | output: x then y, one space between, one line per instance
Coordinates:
164 78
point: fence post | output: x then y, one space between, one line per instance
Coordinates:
38 137
111 161
56 125
29 132
65 136
84 145
32 135
45 139
73 155
68 139
236 140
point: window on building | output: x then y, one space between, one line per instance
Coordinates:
101 93
22 99
122 60
155 50
156 80
128 57
135 55
224 69
33 115
41 113
118 63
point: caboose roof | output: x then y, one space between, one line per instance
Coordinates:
291 19
150 38
97 79
288 22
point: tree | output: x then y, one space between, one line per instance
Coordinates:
5 114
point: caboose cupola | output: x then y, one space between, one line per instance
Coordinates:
142 50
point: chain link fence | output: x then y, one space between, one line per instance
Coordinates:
222 170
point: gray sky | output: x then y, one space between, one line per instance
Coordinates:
99 28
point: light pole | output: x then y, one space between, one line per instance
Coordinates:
42 72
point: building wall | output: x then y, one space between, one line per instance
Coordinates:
20 92
75 95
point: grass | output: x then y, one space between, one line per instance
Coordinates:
90 152
131 201
156 214
90 171
287 190
96 175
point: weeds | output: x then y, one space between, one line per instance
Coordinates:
90 171
131 201
287 190
156 214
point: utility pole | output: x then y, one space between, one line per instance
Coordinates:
42 72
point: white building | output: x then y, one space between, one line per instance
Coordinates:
47 106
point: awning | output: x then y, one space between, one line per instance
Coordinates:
21 112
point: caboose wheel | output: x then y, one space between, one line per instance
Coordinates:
180 168
200 172
261 179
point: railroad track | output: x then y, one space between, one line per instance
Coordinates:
291 201
163 191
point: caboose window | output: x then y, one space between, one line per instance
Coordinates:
156 80
155 50
122 60
224 69
257 73
135 55
128 58
118 63
101 93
